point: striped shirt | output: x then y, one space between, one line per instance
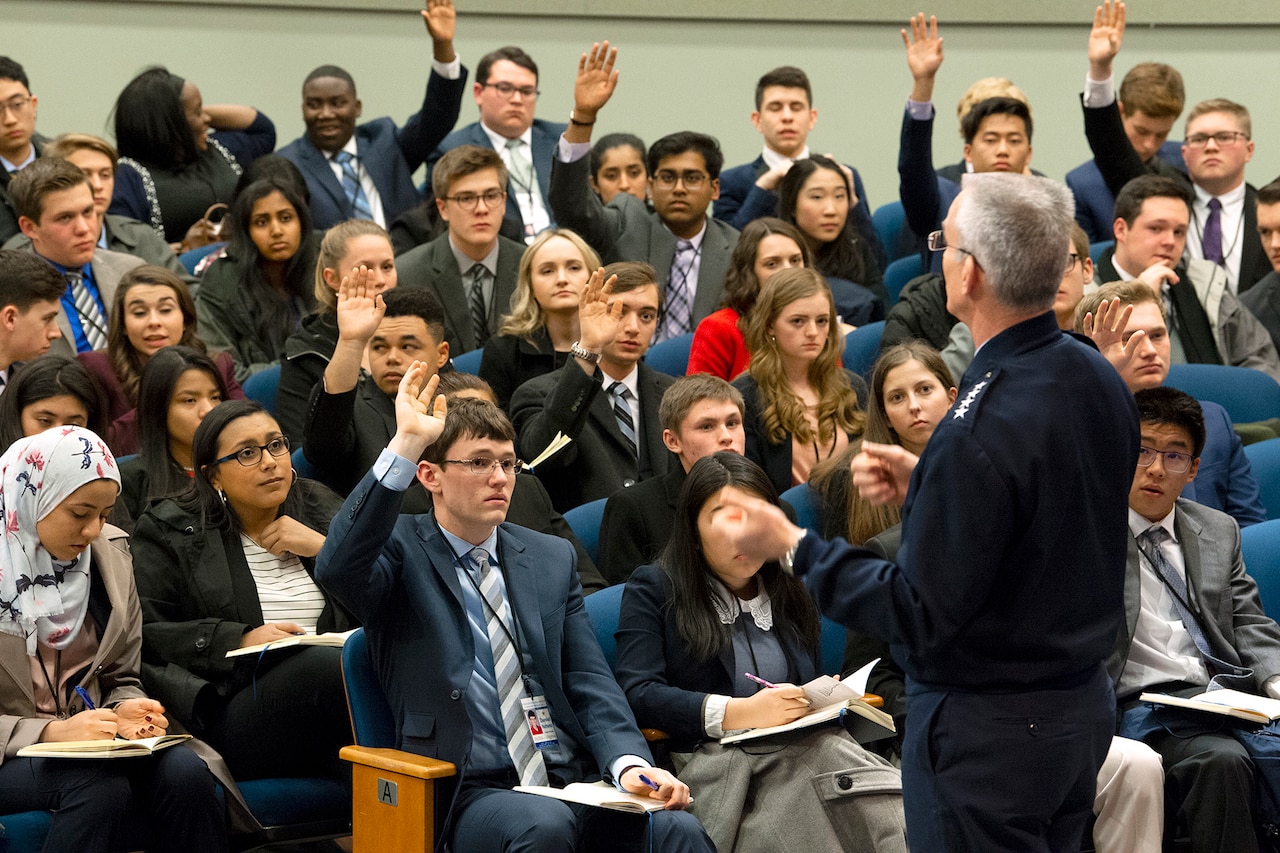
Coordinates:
285 590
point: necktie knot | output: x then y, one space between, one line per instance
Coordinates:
620 390
479 558
514 144
1155 536
343 157
1215 205
684 246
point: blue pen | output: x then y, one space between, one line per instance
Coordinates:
84 697
652 784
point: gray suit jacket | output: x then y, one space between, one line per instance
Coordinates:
108 269
433 265
131 237
1225 597
626 230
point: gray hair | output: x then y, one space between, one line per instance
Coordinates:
1018 228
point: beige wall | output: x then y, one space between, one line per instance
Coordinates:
674 75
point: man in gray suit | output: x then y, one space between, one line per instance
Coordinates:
688 248
1192 614
471 268
55 208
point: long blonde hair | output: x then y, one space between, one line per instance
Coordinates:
783 409
333 247
526 315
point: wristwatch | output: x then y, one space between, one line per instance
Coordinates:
578 351
788 559
573 120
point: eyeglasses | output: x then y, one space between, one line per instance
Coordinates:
1072 260
1174 462
14 105
937 242
1224 139
469 201
509 91
482 466
252 455
667 179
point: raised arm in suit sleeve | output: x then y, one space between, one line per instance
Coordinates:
575 206
917 182
544 406
428 127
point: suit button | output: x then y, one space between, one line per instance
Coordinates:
201 643
628 483
455 694
843 782
1033 727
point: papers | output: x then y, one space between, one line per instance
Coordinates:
599 794
101 748
335 639
1228 703
557 444
825 690
832 700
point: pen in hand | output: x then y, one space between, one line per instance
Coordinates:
758 680
652 784
89 706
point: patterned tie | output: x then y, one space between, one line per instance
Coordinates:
506 669
351 186
519 166
1211 242
678 316
622 411
1222 671
92 323
479 316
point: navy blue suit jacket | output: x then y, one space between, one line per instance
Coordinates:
1225 481
742 201
545 137
1095 205
926 196
390 154
397 572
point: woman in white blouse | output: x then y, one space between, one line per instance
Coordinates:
228 564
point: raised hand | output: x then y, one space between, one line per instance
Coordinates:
924 48
597 78
139 718
1107 331
287 534
599 315
1105 38
848 178
441 19
756 529
360 306
882 472
419 420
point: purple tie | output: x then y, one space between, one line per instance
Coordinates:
1211 242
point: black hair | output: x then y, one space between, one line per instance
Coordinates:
1134 195
610 141
416 302
687 140
45 377
695 584
165 477
331 71
972 121
1165 406
150 123
787 76
26 279
10 69
510 53
841 257
273 166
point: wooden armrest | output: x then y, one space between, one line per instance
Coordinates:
654 735
398 761
874 700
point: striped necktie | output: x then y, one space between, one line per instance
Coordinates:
507 672
678 316
351 186
622 411
92 323
479 314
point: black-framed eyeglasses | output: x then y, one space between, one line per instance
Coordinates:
1072 260
1224 139
252 455
470 201
482 466
692 179
509 91
1174 462
14 105
937 242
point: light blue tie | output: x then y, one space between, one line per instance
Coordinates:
351 186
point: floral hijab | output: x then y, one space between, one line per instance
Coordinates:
43 599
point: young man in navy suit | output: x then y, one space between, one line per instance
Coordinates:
472 623
366 171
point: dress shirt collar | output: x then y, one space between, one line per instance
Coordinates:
631 380
696 239
461 546
1139 525
728 606
465 263
773 159
499 142
1229 199
13 167
351 148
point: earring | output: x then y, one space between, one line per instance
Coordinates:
222 495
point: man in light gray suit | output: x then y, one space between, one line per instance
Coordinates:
55 207
471 268
678 238
1191 614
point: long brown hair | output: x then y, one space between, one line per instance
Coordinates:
783 411
127 361
526 315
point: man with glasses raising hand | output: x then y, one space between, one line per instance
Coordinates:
19 142
688 248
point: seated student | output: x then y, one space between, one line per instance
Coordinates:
536 336
423 586
254 298
815 197
352 410
54 203
690 626
1139 348
58 488
700 415
30 291
801 406
226 564
605 398
1208 325
179 156
1263 299
21 144
1181 550
355 249
979 91
618 166
471 267
784 116
51 391
97 158
678 237
530 504
179 387
152 309
366 171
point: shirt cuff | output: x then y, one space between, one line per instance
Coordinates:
394 471
920 110
448 70
713 715
1099 93
572 152
1271 687
622 765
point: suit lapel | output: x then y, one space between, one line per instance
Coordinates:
316 166
653 453
379 168
1189 531
542 144
716 248
522 575
504 283
447 279
1253 257
444 563
662 249
759 166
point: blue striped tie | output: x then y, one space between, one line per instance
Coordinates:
622 411
351 186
